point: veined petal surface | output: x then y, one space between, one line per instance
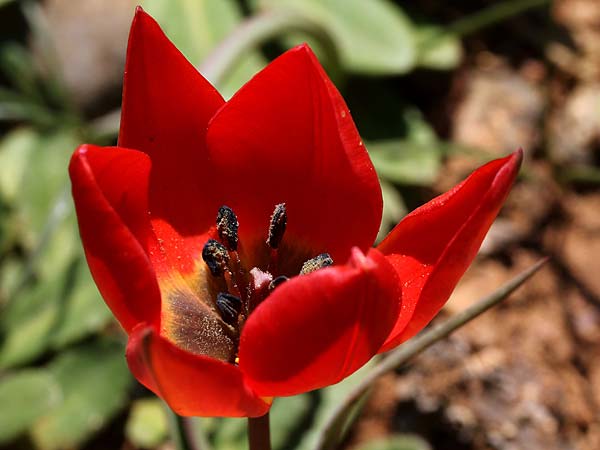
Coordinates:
287 136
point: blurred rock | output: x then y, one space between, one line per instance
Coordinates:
582 20
500 112
89 38
512 378
579 245
574 129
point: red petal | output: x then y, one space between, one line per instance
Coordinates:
317 329
166 108
432 247
110 190
287 136
192 385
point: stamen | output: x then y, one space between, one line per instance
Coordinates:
277 281
316 263
215 256
227 227
229 306
277 225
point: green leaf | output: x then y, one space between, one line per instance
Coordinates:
377 38
17 65
24 397
147 425
94 380
46 180
27 322
396 442
15 150
197 26
54 307
414 159
84 311
437 49
405 162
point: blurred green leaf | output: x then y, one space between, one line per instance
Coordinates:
46 180
26 323
414 159
15 151
83 311
437 49
24 397
10 272
54 306
147 425
396 442
94 380
17 65
405 162
197 26
378 39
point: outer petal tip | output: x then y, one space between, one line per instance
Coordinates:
433 246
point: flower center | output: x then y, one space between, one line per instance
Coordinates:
246 289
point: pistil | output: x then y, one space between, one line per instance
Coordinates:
246 290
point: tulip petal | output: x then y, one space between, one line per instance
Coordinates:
166 108
110 193
434 245
314 330
192 385
288 134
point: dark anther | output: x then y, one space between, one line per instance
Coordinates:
229 306
277 281
215 256
227 227
316 263
277 225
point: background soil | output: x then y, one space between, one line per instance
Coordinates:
527 374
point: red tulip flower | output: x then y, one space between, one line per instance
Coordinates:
232 239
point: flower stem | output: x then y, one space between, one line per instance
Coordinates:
182 432
329 435
259 433
256 30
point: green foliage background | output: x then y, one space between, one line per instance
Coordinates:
63 379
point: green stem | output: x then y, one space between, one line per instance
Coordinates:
259 433
494 13
255 31
401 355
183 434
486 17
